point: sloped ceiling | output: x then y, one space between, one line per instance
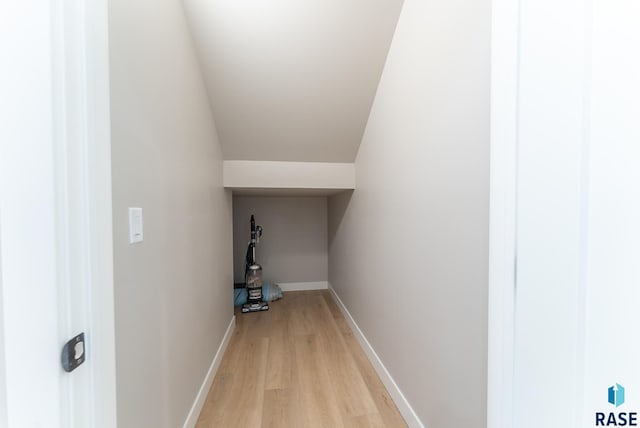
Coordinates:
292 80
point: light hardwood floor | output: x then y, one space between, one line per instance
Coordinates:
297 365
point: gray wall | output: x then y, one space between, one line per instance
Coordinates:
294 244
172 291
408 250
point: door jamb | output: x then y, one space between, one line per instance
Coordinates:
503 212
84 197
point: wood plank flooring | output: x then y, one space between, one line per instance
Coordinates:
297 365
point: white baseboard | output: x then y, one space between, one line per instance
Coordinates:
194 413
407 412
303 286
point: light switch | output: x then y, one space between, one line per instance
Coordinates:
135 225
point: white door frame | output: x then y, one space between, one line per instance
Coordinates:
503 200
56 262
83 160
100 228
539 183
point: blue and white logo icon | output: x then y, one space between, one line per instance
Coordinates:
616 395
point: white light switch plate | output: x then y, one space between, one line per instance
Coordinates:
135 225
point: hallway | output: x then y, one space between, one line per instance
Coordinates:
296 365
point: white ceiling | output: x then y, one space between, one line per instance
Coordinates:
292 80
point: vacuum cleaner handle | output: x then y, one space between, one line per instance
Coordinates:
250 256
251 250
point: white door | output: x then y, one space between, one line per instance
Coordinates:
55 215
565 238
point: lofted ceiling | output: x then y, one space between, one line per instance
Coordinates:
292 80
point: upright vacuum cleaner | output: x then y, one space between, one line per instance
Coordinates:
253 274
